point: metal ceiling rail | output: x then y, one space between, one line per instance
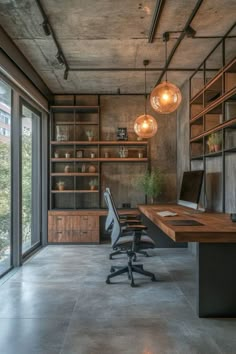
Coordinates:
45 19
179 40
155 19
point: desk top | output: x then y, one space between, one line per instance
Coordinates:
216 228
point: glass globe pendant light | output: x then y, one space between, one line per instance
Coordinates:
165 97
145 126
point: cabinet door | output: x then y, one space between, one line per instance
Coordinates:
89 222
59 222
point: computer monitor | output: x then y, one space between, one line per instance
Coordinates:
191 188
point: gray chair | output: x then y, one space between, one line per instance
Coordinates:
125 219
127 239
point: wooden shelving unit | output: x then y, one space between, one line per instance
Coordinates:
213 115
68 126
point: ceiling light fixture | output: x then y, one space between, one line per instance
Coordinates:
145 126
46 28
166 97
60 58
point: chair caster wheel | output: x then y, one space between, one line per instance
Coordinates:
110 257
153 278
112 270
108 281
147 255
132 285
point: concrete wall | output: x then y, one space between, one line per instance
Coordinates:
121 111
183 135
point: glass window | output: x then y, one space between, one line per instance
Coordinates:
5 177
30 156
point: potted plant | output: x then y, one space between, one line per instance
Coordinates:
217 141
151 183
90 135
93 184
61 185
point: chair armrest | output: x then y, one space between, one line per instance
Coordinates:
136 227
129 222
130 216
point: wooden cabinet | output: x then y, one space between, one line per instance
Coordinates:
73 227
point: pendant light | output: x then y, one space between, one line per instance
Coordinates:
145 126
165 97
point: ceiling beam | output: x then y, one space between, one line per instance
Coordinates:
136 69
179 40
155 19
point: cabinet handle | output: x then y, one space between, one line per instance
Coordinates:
59 232
59 218
84 232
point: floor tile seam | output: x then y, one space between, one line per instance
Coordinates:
67 330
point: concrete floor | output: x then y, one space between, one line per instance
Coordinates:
58 302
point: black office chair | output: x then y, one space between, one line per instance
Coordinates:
127 239
124 219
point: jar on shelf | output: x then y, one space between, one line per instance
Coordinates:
92 155
67 169
67 155
62 133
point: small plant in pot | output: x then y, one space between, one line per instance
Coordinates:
61 185
151 183
90 135
93 184
217 141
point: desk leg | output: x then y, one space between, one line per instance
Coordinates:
216 280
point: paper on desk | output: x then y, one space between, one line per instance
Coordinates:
166 213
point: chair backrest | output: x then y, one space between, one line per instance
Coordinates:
116 229
109 219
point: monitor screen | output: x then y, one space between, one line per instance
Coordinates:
191 188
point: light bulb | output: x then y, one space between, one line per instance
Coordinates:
165 98
145 126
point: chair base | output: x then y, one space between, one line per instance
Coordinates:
129 269
144 253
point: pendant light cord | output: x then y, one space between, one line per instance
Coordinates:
166 56
145 112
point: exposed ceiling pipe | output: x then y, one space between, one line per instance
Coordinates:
155 19
179 40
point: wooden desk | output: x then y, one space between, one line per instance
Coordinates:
216 255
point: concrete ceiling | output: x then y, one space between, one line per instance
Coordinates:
112 34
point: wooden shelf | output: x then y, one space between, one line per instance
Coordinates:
75 123
214 104
100 159
211 82
218 127
123 142
74 174
76 191
74 142
213 154
107 142
74 159
123 159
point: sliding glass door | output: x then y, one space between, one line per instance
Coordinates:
30 178
5 178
